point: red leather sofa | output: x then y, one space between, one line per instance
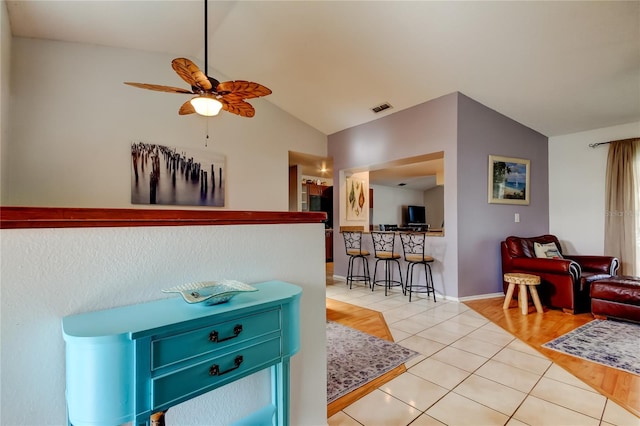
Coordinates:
616 297
565 282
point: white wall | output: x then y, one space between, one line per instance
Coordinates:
50 273
73 121
5 75
388 203
577 187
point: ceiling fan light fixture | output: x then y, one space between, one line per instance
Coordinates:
206 105
211 95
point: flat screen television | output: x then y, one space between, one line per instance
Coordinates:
416 214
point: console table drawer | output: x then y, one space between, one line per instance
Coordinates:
169 350
203 376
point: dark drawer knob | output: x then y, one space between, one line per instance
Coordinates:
213 336
214 370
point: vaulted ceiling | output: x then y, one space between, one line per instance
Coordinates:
557 67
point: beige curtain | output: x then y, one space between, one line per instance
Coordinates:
621 220
637 215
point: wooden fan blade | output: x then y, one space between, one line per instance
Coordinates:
240 107
186 108
243 89
158 87
190 73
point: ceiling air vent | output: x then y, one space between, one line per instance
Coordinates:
382 107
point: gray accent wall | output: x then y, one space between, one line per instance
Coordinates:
423 129
434 201
468 132
482 226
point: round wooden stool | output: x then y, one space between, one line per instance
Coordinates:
524 281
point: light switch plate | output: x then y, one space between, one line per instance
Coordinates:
517 217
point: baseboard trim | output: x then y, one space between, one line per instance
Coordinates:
455 299
480 296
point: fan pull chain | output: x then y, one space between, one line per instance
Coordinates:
206 141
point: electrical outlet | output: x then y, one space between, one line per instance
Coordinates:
517 218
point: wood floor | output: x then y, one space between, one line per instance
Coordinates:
537 329
368 321
533 329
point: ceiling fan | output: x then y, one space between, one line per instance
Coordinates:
211 95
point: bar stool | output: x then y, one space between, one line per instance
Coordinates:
353 246
413 246
383 248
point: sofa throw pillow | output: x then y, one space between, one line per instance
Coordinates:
548 251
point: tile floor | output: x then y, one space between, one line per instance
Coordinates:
470 372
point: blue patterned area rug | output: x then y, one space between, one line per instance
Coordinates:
355 358
611 343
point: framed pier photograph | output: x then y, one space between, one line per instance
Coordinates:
170 175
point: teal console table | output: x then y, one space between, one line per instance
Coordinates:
126 363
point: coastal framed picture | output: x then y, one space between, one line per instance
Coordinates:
508 180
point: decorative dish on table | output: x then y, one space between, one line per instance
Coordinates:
210 292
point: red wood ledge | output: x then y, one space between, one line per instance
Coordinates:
53 217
